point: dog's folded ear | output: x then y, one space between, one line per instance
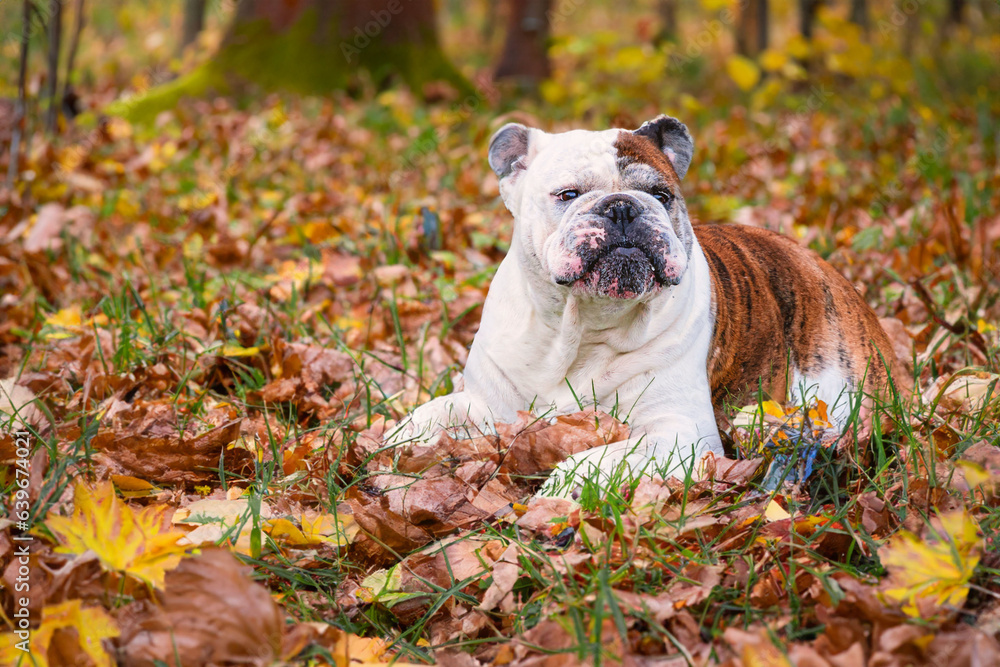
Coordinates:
670 136
509 149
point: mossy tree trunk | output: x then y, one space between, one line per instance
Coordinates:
525 57
315 47
318 45
753 28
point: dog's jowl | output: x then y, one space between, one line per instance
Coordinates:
609 293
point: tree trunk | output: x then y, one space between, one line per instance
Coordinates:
956 12
317 45
13 166
488 28
752 30
807 17
667 9
55 39
314 47
859 13
70 102
194 21
525 57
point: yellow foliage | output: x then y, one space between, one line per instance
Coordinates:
124 541
936 570
775 512
67 318
773 408
92 625
773 60
743 71
234 350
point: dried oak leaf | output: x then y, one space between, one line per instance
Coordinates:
404 514
538 445
210 613
505 572
317 365
729 471
544 513
150 447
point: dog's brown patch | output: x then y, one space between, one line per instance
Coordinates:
778 304
633 148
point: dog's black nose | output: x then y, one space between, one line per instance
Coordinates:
621 213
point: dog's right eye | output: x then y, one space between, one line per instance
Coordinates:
567 195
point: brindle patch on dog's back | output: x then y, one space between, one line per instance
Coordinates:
777 303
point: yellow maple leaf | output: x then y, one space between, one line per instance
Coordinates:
123 540
283 530
92 625
338 529
936 569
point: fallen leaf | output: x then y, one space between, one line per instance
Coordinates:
150 447
775 512
538 445
51 644
130 542
44 233
210 613
505 572
935 570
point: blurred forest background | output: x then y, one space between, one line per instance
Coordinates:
238 237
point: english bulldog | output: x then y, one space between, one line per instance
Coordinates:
610 296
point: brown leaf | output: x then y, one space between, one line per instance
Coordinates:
505 573
732 472
211 613
542 513
536 445
44 234
875 514
447 563
151 448
316 364
985 454
418 457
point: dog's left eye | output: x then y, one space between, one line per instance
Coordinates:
662 197
567 195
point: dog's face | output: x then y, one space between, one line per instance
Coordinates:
599 213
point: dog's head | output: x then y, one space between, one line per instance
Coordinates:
600 213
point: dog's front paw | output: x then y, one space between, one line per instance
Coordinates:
612 468
599 470
456 413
